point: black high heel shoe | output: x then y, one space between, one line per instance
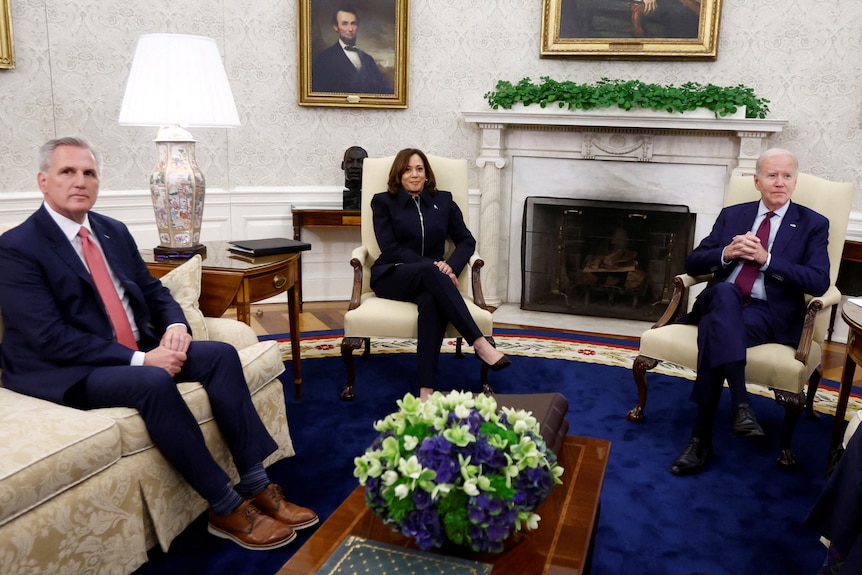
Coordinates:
501 363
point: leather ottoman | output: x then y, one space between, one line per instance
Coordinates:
548 408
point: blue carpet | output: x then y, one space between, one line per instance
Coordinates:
742 516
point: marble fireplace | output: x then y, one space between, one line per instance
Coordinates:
668 159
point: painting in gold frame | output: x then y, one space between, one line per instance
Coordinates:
7 52
631 29
353 60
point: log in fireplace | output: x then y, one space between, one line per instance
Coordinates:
598 258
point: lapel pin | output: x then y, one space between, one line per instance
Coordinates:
792 225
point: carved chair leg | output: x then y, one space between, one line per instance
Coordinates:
793 404
348 344
366 353
813 384
459 342
641 365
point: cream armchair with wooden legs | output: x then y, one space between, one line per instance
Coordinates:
369 316
780 368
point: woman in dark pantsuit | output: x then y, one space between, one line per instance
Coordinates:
412 220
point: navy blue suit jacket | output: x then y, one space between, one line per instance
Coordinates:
799 264
332 71
404 238
56 329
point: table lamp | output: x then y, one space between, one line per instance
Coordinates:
177 81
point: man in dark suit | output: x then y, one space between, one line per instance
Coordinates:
72 288
343 67
765 256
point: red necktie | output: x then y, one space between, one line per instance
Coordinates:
102 279
750 269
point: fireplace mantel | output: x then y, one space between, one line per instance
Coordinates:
720 146
638 119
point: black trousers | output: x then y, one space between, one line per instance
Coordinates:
439 302
837 513
170 422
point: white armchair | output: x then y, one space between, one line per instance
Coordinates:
369 316
778 367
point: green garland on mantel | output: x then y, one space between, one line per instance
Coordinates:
627 95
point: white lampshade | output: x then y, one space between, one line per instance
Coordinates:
177 79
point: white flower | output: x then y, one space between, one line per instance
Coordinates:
402 491
529 520
389 477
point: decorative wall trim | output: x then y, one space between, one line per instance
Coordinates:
245 213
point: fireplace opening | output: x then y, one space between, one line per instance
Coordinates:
598 258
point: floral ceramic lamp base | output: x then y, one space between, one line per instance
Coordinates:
178 189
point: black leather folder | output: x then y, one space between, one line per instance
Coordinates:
268 247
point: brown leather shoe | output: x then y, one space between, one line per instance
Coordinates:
249 528
271 501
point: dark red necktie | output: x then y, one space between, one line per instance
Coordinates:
750 269
107 291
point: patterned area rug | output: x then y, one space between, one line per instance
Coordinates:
570 346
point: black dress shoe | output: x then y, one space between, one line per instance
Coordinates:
745 423
693 458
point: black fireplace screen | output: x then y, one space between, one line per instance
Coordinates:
597 258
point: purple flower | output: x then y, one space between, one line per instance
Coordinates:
481 453
424 527
421 499
437 453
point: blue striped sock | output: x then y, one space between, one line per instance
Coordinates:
252 481
226 502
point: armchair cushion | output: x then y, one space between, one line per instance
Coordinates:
184 282
380 317
771 364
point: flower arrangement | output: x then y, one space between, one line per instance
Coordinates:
454 470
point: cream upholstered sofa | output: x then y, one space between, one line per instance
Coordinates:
87 492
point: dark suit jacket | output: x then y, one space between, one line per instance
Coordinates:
403 238
56 329
799 265
332 71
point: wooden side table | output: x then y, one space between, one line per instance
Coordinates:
321 219
229 281
852 314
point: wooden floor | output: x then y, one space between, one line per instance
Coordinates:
268 319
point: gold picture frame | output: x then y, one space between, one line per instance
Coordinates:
326 75
631 29
7 52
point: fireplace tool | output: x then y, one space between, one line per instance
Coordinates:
665 289
556 291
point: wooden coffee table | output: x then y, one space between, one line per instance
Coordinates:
562 543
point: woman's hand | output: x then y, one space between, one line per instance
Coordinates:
447 269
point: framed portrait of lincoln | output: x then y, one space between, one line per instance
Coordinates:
353 53
631 29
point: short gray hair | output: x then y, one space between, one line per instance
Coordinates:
47 151
776 152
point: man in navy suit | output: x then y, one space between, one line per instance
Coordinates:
343 67
59 344
787 261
